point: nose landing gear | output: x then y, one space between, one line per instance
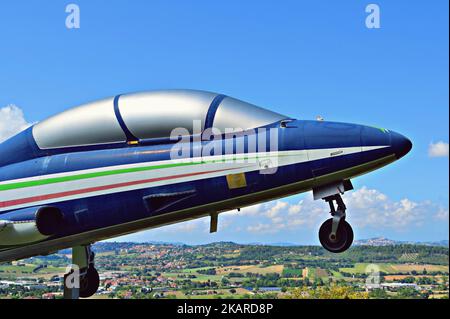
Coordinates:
335 234
85 280
89 283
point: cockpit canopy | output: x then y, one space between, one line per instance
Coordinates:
148 115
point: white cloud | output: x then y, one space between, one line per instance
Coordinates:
442 214
366 208
12 121
371 208
439 149
273 211
261 228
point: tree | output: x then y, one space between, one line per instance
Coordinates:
378 294
225 281
333 292
408 292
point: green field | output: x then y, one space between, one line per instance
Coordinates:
28 269
292 272
391 268
229 270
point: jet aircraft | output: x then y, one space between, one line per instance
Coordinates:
144 160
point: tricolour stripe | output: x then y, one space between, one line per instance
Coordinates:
74 176
40 190
97 189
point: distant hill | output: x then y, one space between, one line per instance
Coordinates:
440 243
376 242
280 244
381 241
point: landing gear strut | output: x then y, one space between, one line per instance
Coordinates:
87 280
335 234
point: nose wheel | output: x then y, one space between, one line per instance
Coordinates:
89 283
335 234
83 281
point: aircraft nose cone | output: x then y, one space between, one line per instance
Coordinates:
400 144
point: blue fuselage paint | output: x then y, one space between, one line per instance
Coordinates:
21 158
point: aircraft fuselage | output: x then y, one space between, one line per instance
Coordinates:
131 188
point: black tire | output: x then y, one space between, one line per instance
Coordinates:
343 240
89 283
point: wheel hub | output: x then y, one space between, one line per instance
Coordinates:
335 242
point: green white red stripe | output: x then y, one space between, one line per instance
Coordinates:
40 190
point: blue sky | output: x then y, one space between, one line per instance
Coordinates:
301 58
